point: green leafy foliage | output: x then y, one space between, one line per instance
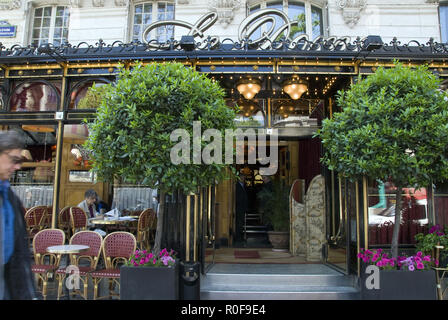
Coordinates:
130 137
393 125
275 204
427 243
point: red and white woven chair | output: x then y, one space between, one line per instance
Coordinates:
117 249
46 263
64 221
78 219
34 218
95 242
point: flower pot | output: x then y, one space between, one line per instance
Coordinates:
279 240
149 283
400 285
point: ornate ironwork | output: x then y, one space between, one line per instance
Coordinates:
274 42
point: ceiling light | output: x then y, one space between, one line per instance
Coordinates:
295 87
248 87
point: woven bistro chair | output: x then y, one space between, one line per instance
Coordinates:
34 218
441 274
46 263
64 221
117 249
78 219
143 230
152 227
92 255
46 219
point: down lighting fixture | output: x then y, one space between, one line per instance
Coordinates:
248 87
295 87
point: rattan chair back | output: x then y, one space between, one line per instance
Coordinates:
44 239
91 239
118 248
78 219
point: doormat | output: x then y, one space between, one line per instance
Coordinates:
246 254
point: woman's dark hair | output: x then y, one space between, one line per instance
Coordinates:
10 140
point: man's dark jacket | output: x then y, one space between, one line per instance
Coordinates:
19 280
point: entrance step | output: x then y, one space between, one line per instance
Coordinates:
277 282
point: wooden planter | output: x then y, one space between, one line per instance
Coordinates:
401 285
149 283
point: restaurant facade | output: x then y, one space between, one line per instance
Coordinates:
281 62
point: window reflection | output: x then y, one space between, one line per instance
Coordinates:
250 114
294 113
78 94
297 13
381 212
35 96
33 183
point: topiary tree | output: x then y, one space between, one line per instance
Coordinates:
131 135
394 127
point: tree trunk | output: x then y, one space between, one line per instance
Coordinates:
394 244
159 230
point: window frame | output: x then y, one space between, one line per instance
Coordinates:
52 27
154 18
308 5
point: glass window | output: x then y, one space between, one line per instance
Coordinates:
91 101
50 25
131 199
147 13
298 13
85 176
381 202
316 21
35 96
250 114
33 183
443 12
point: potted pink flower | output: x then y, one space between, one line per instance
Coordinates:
150 276
401 278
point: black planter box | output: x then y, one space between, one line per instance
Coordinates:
401 285
149 283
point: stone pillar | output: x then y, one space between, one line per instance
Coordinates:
298 218
315 218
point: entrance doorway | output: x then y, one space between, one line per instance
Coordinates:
249 243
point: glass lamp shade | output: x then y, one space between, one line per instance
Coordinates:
295 88
248 87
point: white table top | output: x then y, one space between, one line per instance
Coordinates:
68 248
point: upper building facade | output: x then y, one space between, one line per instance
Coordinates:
38 22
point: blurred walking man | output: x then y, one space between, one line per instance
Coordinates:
16 279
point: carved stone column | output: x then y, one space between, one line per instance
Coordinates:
298 219
315 218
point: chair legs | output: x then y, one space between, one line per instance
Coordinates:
42 279
60 278
112 285
85 284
